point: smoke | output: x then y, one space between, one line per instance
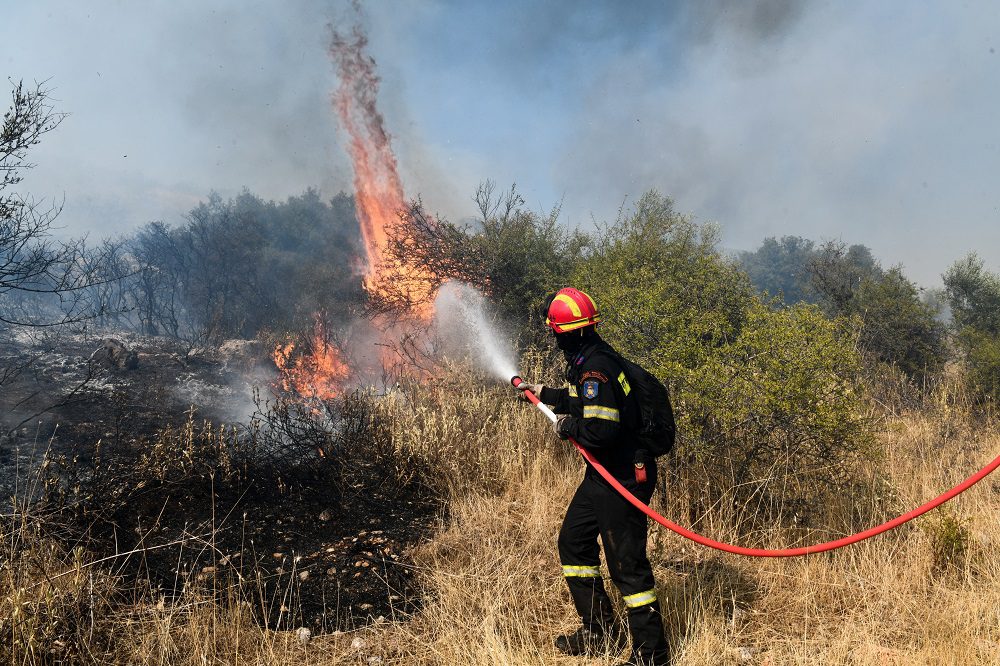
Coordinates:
865 123
168 101
468 330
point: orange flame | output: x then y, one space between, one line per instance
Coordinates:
318 373
378 192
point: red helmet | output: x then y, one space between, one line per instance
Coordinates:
571 309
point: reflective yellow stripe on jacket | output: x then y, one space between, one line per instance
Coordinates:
623 380
581 572
572 391
598 412
640 598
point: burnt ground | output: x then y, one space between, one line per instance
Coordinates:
66 389
306 558
321 541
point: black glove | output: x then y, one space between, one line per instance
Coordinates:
534 388
561 425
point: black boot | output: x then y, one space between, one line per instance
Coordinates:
587 641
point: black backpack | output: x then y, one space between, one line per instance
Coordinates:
650 413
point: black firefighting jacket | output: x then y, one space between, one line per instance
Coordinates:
600 416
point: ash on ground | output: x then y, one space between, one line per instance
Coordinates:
183 467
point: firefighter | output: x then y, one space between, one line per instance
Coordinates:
596 411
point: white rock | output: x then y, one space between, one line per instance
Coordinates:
745 654
358 643
303 634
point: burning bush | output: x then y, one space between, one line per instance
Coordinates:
515 256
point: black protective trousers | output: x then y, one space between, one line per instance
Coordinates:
598 509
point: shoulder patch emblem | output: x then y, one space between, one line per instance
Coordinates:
595 374
590 389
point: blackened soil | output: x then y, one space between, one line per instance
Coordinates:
304 559
303 542
62 391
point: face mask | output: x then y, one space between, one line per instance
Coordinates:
569 343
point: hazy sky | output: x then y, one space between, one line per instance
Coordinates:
871 122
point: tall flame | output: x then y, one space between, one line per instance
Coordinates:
378 192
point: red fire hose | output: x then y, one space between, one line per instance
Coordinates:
762 552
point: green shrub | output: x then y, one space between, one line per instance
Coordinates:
766 399
982 362
782 402
949 539
667 296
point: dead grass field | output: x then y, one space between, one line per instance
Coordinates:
926 594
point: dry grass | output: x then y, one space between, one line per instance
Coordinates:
926 594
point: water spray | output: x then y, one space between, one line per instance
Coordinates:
467 327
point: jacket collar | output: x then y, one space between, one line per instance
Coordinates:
585 352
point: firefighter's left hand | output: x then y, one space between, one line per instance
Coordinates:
560 425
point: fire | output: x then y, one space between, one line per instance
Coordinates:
378 192
318 372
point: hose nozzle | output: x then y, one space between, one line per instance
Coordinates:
516 381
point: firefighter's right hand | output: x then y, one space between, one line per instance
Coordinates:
525 386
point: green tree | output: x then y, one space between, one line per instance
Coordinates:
758 390
837 271
898 327
974 297
781 268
